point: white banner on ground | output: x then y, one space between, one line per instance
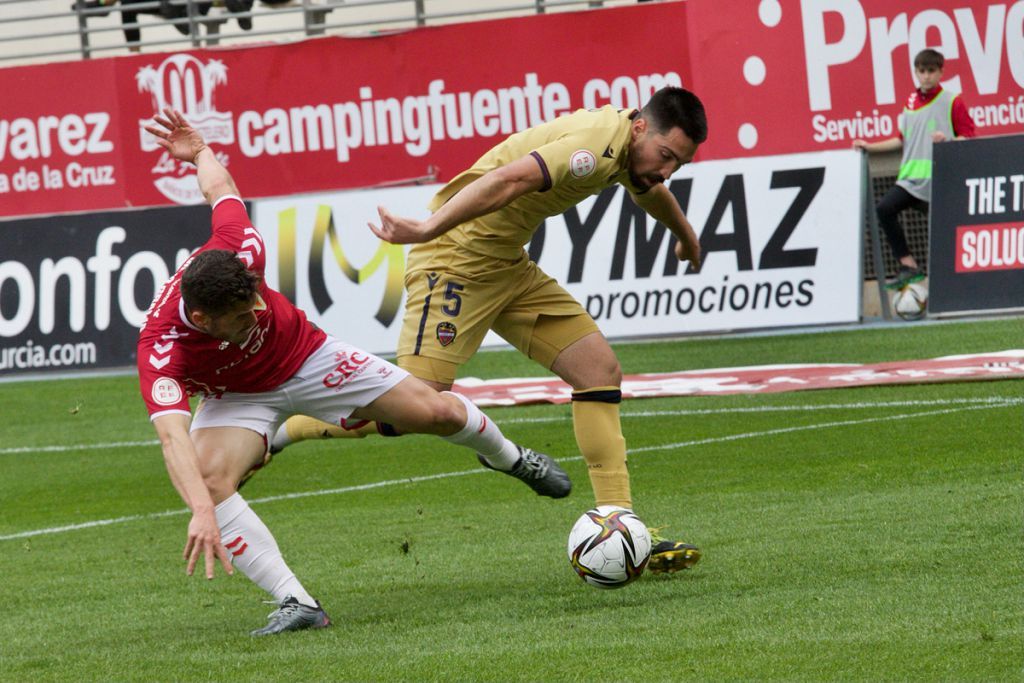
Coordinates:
781 235
765 379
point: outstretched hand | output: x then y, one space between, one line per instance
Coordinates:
398 230
689 250
181 140
204 539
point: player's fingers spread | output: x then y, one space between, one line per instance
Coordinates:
192 559
225 561
208 553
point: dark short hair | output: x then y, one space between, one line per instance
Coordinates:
217 281
929 57
673 107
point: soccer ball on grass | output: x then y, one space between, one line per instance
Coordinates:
609 546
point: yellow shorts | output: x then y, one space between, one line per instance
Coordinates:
449 310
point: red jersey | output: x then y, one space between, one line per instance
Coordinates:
176 360
963 124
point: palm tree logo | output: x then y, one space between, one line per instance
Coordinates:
186 84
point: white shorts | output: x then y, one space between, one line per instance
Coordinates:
333 382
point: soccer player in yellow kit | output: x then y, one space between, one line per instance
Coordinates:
469 273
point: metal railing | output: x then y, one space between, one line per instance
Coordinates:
54 30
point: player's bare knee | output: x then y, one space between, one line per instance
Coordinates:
219 483
604 371
440 415
613 373
217 472
450 415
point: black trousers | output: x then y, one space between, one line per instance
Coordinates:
889 208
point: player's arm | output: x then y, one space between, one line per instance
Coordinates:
493 190
184 143
661 205
183 468
890 145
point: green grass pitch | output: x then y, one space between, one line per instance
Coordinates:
875 549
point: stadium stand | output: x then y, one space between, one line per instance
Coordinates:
33 31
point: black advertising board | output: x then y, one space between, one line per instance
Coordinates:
74 289
976 255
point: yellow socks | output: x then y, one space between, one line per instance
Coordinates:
595 419
301 428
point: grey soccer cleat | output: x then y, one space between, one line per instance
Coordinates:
538 471
292 615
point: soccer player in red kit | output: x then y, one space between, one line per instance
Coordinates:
217 330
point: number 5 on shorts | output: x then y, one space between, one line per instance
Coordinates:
453 302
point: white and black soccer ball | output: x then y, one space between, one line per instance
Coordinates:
609 546
911 301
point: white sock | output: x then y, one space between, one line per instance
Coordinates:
254 551
281 438
482 435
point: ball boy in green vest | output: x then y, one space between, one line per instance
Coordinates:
931 115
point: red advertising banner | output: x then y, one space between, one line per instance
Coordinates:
61 140
333 112
777 76
998 246
784 76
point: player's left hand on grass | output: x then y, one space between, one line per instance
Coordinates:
204 539
398 230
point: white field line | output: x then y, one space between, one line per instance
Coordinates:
985 400
268 499
821 425
77 447
448 475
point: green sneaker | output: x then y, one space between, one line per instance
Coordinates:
670 556
904 277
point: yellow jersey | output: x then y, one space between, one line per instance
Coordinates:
580 154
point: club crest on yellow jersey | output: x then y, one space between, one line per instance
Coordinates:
446 332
